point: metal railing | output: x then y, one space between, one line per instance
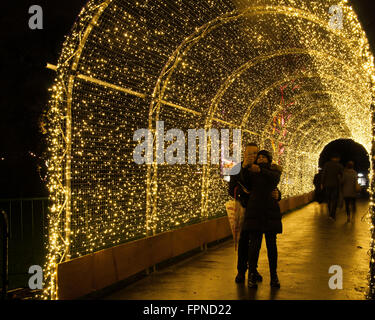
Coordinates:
4 266
9 205
27 230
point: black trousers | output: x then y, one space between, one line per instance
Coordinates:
350 202
243 252
332 199
255 242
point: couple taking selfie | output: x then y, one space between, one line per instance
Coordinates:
255 186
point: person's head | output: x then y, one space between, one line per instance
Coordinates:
350 165
335 157
251 151
264 157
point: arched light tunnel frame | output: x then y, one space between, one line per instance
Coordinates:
152 175
158 94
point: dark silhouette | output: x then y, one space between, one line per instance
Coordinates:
237 187
318 193
262 215
240 187
350 188
331 181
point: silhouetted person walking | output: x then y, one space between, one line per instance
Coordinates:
331 181
349 188
318 194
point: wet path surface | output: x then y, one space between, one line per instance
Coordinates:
309 245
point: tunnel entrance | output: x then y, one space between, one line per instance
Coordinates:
349 150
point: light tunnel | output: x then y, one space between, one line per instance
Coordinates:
276 69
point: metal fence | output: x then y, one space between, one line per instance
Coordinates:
27 219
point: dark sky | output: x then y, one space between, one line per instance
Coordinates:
24 53
25 81
24 87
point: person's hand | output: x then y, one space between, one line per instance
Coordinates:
254 168
275 194
275 166
245 162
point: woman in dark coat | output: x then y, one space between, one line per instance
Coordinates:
263 215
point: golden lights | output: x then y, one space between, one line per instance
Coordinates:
192 64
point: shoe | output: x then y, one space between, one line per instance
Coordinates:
251 281
258 277
275 283
240 278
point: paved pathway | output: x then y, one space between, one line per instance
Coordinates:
310 244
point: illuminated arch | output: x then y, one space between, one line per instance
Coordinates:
126 65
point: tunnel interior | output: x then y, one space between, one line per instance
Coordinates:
276 69
348 150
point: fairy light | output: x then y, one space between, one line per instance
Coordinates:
192 64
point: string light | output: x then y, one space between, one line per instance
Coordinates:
193 64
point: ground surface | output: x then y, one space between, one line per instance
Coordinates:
309 245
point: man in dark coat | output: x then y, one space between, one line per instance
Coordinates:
239 186
318 193
262 215
331 180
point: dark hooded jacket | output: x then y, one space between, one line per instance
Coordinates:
262 210
235 182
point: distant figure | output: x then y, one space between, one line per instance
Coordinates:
331 181
349 188
318 194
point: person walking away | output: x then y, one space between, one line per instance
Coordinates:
318 194
262 215
331 181
239 186
349 188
